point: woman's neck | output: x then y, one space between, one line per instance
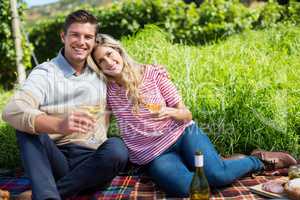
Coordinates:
119 80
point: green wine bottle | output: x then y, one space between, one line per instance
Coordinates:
199 188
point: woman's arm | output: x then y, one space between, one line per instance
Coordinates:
178 112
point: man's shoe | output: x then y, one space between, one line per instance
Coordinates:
274 160
235 156
27 195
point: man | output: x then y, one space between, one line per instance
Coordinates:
63 146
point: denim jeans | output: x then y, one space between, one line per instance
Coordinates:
58 172
174 169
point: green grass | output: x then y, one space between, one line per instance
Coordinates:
243 91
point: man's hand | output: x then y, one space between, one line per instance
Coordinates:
81 122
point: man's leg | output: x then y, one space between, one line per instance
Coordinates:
42 162
97 170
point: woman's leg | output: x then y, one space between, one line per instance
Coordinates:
171 174
219 172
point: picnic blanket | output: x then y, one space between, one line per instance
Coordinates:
136 187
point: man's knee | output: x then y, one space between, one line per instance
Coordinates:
23 136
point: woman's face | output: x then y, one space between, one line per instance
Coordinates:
109 60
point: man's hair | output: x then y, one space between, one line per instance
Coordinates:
80 16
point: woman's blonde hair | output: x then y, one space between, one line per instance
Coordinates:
131 73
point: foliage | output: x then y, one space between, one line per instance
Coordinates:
7 48
212 21
49 10
244 92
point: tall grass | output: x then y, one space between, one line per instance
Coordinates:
244 91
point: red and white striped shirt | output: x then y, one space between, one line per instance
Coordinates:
144 137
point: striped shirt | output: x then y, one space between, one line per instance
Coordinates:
144 137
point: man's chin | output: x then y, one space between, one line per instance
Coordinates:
80 58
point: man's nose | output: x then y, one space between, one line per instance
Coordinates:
81 40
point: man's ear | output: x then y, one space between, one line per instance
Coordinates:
62 37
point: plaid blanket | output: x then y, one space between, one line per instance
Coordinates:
136 187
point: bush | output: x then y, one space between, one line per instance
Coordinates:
7 47
213 20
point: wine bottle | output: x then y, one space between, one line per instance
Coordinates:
199 188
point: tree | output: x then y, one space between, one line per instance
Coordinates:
8 72
17 40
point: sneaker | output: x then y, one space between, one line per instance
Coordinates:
274 160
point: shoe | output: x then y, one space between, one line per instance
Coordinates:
235 156
4 195
27 195
274 160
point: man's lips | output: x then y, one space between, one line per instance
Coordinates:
79 50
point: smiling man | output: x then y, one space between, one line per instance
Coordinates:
63 146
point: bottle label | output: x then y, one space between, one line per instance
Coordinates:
199 161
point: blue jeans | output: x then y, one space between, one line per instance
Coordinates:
174 169
58 172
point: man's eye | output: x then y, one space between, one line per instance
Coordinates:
89 37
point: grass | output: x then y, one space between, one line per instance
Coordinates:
244 91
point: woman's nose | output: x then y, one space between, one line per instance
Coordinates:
109 61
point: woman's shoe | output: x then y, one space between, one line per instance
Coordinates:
274 160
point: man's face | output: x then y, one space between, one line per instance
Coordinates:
79 41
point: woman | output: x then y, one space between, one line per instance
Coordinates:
165 140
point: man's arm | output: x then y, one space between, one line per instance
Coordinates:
21 111
23 114
81 122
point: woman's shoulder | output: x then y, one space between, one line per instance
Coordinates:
155 70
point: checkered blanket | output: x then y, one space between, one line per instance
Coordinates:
142 187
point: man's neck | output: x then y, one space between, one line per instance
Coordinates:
77 66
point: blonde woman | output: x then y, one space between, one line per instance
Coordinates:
157 127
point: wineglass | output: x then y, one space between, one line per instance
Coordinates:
96 111
153 102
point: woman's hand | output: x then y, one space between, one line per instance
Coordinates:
178 112
164 113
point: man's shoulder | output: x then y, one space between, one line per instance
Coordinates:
45 68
